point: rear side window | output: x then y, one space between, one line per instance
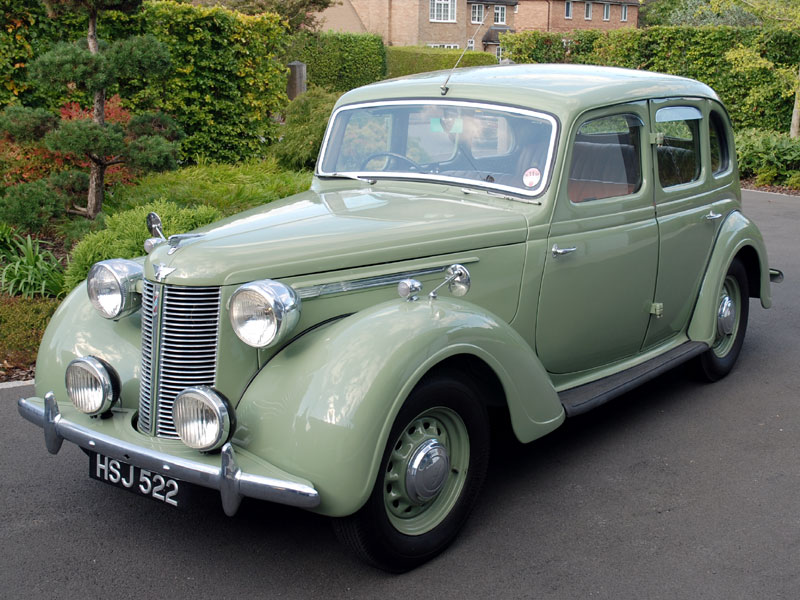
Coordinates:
720 156
679 150
606 159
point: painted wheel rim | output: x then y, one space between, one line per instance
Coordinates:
440 427
730 300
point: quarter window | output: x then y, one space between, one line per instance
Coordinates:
567 10
606 12
720 157
587 11
679 150
477 13
606 159
499 14
443 11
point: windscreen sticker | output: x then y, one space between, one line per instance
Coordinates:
532 177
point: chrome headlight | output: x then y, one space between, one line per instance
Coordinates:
202 418
264 312
112 287
92 385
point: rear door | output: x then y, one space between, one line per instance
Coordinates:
693 192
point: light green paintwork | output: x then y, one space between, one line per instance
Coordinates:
321 408
736 234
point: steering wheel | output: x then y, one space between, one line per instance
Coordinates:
414 166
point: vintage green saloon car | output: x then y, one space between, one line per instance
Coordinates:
534 238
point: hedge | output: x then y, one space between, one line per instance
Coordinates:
339 61
407 60
22 322
755 95
227 83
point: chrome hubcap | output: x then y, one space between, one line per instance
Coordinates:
427 471
726 316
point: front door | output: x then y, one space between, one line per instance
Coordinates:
600 271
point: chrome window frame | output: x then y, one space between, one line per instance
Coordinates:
434 177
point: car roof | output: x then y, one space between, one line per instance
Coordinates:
559 89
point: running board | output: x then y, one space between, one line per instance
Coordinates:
583 398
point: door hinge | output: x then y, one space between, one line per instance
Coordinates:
657 309
657 139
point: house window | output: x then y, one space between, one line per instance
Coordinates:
470 44
499 53
477 13
587 12
624 15
499 14
606 12
445 46
443 11
567 10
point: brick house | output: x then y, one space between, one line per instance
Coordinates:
457 23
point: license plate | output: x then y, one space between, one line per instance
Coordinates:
139 481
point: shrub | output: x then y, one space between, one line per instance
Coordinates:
6 242
228 188
23 323
340 61
24 124
769 156
126 232
407 60
756 93
306 119
32 271
30 206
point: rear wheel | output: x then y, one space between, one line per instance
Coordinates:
731 324
432 470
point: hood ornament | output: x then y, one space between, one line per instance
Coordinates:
161 272
156 229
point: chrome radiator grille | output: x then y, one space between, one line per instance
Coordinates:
179 349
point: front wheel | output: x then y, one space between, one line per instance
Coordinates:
432 469
733 308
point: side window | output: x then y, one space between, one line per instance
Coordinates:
720 156
679 152
606 159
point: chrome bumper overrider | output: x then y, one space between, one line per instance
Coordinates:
232 483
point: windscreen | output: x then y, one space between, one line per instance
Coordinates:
460 142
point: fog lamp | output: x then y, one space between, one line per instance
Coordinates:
92 385
203 418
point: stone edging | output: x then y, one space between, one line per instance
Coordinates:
14 384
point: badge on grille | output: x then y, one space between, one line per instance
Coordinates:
161 271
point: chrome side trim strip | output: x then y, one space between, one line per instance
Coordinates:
351 285
232 483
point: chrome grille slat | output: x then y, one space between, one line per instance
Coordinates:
185 346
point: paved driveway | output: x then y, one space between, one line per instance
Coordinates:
677 490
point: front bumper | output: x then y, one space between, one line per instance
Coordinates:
261 480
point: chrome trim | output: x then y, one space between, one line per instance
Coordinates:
351 285
712 216
726 316
218 405
109 382
160 272
434 177
775 275
180 326
562 251
427 471
127 274
408 289
282 300
457 280
228 478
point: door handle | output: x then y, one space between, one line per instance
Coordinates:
712 216
562 251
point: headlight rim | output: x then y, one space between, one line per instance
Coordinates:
223 410
127 273
284 303
103 372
